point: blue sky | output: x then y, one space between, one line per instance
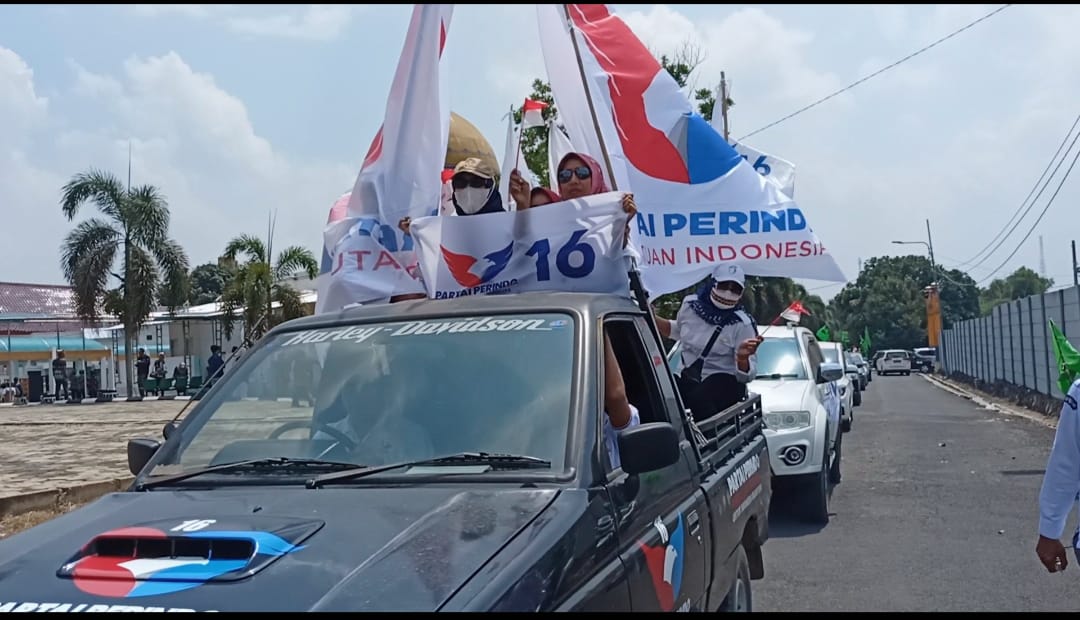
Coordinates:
237 110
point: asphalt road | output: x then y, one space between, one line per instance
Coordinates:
916 526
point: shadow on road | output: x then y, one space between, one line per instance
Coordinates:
785 520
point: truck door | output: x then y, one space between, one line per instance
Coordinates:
661 516
828 392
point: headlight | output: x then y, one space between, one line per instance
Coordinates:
787 420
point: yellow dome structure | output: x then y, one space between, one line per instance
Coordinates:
467 141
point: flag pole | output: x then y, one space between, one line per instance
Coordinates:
588 97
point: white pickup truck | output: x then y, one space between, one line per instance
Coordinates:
800 398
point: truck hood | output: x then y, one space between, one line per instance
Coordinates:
782 394
263 548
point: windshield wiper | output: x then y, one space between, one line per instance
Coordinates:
779 375
277 462
497 461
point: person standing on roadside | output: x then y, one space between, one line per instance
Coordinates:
1060 487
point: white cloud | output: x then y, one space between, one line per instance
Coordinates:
20 105
189 137
319 22
314 22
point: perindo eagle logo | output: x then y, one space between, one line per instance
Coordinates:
470 272
665 563
659 132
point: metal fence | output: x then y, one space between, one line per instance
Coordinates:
1013 345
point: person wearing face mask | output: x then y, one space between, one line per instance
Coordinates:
473 190
719 343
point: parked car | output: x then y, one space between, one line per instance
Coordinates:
894 361
864 369
924 358
848 385
454 459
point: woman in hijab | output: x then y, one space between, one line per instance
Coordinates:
719 343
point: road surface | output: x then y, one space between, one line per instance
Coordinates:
920 526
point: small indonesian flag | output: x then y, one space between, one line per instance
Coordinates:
793 312
533 114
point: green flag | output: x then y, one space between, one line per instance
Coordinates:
844 338
864 342
823 333
1068 359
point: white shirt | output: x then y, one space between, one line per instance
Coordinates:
694 333
611 437
1061 484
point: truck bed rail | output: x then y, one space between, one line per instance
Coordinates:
726 433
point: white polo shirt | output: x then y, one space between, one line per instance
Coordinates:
611 437
694 333
1061 484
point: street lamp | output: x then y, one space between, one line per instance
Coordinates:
929 243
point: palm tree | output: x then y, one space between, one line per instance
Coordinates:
256 285
133 231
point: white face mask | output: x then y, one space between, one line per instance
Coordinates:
472 199
724 299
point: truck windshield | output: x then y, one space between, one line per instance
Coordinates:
780 358
379 393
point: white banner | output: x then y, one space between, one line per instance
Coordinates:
698 202
773 168
366 264
575 245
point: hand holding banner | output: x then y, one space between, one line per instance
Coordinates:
574 245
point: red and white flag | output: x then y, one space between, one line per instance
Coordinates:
371 260
699 203
793 312
532 114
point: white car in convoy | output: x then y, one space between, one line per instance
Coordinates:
848 385
801 403
894 361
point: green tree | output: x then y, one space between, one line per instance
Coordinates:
208 283
1021 283
257 285
887 300
133 236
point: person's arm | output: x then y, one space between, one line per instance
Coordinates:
746 353
668 329
615 401
1060 483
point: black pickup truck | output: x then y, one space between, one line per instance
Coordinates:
430 455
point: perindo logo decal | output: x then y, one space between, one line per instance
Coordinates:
470 272
124 576
665 562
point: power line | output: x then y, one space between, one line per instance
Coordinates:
878 72
1032 229
1009 225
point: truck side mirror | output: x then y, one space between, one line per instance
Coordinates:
139 453
829 372
648 447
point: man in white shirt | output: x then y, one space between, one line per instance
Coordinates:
1061 486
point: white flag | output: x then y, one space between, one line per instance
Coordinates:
558 146
574 245
400 176
698 202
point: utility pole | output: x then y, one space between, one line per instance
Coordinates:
1076 268
930 246
724 104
